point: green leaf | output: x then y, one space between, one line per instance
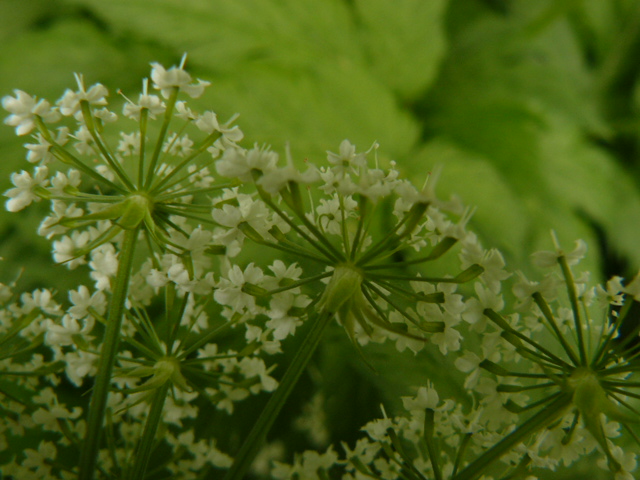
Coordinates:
592 184
407 59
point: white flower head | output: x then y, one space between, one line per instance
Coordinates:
176 77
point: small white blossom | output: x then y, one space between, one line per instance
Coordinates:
70 103
23 194
24 108
166 80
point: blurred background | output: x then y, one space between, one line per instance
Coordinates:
531 109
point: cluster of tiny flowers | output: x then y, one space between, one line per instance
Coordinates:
153 181
46 343
583 403
103 174
432 439
194 285
356 264
564 352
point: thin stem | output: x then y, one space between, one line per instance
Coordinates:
362 207
382 244
91 443
429 427
106 155
551 321
297 209
573 298
144 116
619 348
256 437
502 323
438 250
145 447
206 144
327 253
65 157
343 225
168 113
182 193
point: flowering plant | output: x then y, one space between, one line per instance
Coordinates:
195 284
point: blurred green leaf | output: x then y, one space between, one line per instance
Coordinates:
404 41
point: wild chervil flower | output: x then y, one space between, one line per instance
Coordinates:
362 263
363 269
151 178
582 364
115 182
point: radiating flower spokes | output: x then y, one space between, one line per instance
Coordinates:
142 183
586 361
339 235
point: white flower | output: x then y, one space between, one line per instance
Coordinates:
130 144
633 288
475 307
23 194
39 152
254 367
166 80
347 160
61 182
627 461
548 259
83 300
79 364
70 103
208 123
151 103
275 180
230 289
66 249
239 163
24 108
178 146
39 461
104 265
69 328
330 213
427 397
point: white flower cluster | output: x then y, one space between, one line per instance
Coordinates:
198 283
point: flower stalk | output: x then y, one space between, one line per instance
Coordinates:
254 441
108 354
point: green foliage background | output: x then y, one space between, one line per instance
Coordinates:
529 107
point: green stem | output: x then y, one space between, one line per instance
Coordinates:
256 437
97 407
540 420
573 298
168 113
146 444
